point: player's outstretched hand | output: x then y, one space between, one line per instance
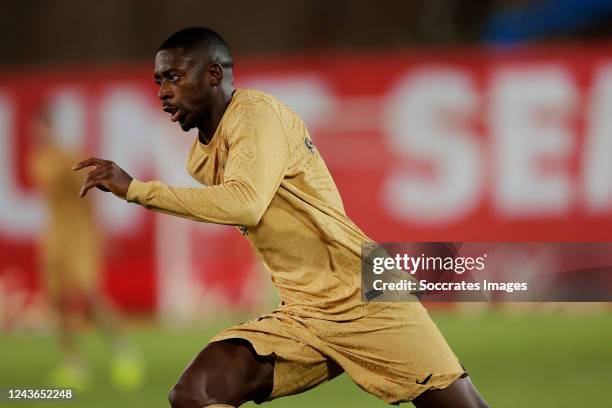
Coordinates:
107 176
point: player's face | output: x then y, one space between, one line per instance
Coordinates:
184 89
42 130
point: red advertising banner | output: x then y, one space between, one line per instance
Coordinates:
471 145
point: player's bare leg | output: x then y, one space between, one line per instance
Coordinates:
127 367
67 327
460 394
225 373
71 371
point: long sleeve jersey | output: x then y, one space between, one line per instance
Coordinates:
262 173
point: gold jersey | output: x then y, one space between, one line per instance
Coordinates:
262 173
70 243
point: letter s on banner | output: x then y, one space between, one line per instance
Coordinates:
416 127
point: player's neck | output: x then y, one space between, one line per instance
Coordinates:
207 130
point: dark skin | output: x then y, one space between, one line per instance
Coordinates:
195 90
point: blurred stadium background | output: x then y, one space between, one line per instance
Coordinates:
487 120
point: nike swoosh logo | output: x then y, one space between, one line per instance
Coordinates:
425 380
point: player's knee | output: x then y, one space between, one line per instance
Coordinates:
201 391
189 396
180 397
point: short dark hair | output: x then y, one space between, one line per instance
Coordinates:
201 39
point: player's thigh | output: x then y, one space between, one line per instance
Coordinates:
225 372
460 394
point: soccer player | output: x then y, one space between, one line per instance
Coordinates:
70 254
262 174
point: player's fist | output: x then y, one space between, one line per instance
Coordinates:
106 176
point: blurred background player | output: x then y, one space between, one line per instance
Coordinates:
71 248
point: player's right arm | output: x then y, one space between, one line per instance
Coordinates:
107 176
257 161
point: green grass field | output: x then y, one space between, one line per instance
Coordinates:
516 361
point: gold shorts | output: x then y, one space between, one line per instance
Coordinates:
393 350
70 258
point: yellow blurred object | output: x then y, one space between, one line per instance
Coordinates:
127 371
71 375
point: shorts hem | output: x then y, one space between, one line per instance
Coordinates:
454 377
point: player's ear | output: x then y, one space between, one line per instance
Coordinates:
215 73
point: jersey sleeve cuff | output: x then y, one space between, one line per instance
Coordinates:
139 192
